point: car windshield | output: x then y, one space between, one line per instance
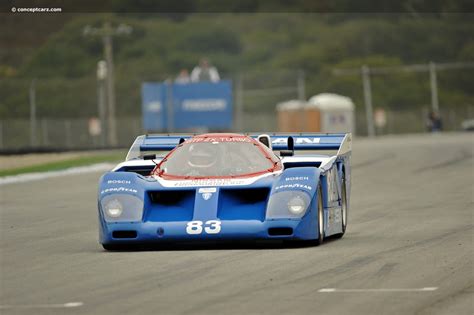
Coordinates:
205 157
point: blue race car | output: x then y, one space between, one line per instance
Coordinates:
181 188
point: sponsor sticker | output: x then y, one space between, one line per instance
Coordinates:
119 181
207 190
119 189
219 139
297 140
212 182
293 186
299 178
209 182
206 196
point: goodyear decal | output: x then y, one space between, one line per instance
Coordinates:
294 186
119 190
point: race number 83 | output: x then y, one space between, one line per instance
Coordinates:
210 227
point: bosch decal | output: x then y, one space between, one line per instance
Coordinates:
119 181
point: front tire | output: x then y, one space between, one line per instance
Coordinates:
112 247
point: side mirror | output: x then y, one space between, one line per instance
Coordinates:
149 157
266 140
287 153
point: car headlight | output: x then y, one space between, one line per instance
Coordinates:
122 208
297 205
113 208
290 204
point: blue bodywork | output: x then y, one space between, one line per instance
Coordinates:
157 213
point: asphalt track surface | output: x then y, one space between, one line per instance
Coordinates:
411 227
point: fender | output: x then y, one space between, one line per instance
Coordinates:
298 178
122 183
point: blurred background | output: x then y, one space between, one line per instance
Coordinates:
75 80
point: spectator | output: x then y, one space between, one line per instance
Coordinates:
204 72
434 122
183 77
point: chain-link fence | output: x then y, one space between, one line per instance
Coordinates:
414 120
256 95
75 133
62 134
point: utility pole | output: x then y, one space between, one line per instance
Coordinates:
434 87
238 121
169 106
101 98
301 85
32 93
368 100
106 32
107 38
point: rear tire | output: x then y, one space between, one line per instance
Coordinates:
343 207
320 239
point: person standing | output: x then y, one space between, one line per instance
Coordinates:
204 72
434 122
183 77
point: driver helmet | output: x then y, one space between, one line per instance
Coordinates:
202 156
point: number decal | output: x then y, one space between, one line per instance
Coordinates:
194 227
211 227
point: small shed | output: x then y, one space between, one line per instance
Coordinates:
336 112
291 116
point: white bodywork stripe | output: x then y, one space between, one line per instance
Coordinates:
212 182
346 145
326 165
137 163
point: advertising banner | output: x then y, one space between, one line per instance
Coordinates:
200 105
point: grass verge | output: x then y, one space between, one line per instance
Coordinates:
64 164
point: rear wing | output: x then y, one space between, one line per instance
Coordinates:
342 142
155 143
278 142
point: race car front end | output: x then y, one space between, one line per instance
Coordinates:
137 209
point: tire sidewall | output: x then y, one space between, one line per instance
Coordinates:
320 217
343 204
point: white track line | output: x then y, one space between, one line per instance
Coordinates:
65 305
70 171
334 290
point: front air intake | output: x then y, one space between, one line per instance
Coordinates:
243 204
170 197
280 231
124 234
170 205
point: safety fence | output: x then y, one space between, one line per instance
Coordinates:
76 133
255 96
63 134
